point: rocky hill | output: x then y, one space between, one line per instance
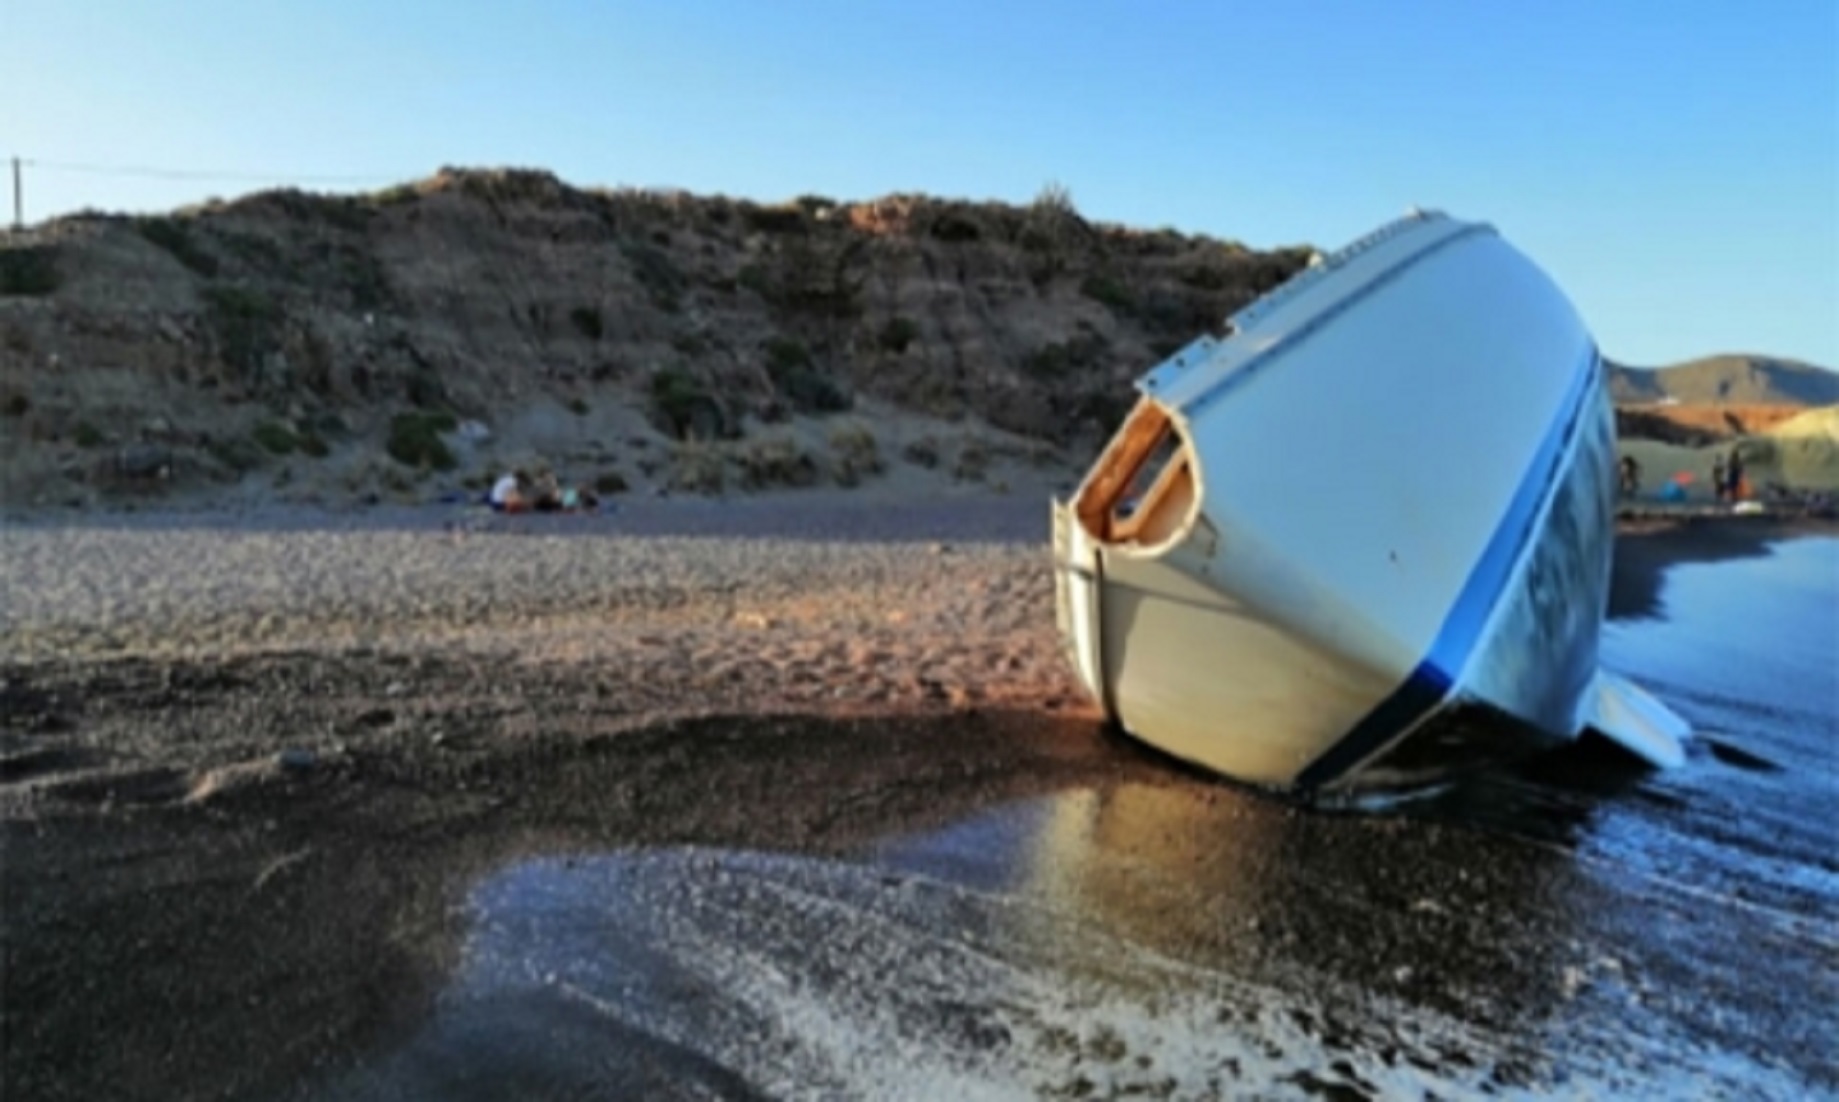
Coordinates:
422 337
1728 380
417 341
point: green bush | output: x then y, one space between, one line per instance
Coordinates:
17 405
897 334
1111 292
673 388
783 354
176 238
1206 277
1048 361
755 278
809 390
775 219
610 482
86 435
275 437
424 389
684 407
396 196
246 322
257 252
239 455
923 452
278 439
578 407
953 227
812 391
415 440
587 322
1058 359
31 270
657 273
362 275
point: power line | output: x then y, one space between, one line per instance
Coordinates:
149 172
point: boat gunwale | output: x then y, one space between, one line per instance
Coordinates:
1231 377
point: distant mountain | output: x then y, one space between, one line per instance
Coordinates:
1731 379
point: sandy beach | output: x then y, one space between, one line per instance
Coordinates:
247 757
167 657
673 609
304 717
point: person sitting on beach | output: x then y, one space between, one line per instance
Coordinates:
509 494
548 498
578 499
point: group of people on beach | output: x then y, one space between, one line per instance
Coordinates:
517 492
1727 478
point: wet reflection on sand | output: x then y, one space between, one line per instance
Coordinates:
1093 942
1576 929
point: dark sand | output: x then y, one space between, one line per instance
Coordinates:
227 874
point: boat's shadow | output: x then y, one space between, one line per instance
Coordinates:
1551 798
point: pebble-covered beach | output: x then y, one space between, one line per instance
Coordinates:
252 764
841 602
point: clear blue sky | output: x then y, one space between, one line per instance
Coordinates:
1674 163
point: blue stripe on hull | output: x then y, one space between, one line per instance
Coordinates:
1429 684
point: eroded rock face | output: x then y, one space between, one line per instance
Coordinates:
480 293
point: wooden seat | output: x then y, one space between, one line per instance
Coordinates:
1147 435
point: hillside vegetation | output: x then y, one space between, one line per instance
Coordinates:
659 338
424 338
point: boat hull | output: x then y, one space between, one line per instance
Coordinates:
1333 610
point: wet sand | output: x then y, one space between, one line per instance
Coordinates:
249 801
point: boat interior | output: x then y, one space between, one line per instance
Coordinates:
1142 492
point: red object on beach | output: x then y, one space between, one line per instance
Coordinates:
1683 478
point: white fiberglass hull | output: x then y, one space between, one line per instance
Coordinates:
1377 547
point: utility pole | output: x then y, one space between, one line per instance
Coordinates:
19 200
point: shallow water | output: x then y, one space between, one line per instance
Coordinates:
1579 928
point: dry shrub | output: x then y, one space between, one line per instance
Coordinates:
1041 456
777 461
854 454
923 452
698 467
973 462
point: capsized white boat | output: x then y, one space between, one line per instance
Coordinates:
1363 540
